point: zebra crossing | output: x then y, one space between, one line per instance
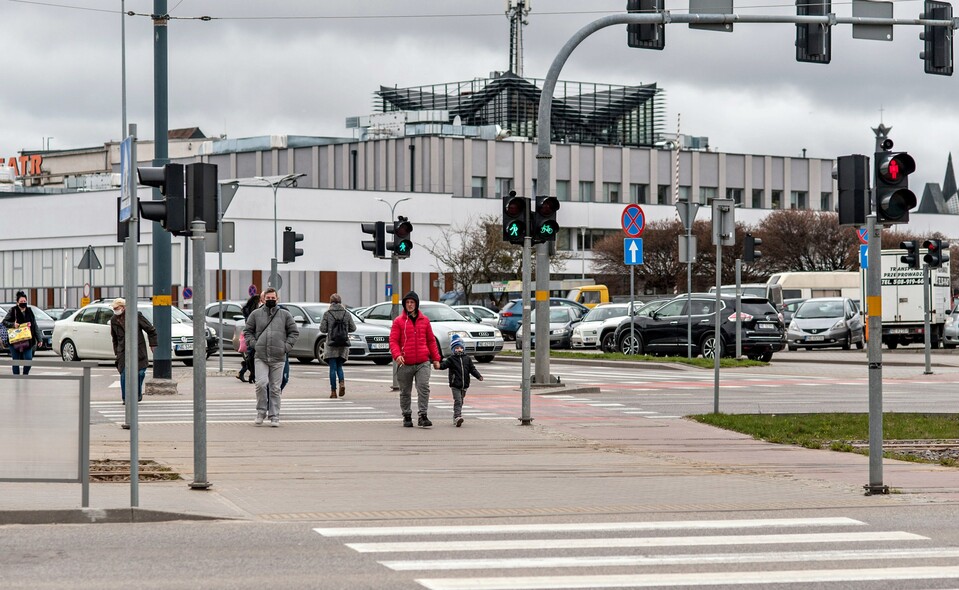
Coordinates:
548 556
243 411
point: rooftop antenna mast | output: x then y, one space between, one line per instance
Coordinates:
516 12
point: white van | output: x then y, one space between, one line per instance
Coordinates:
806 285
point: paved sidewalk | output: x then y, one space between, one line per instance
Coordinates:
347 471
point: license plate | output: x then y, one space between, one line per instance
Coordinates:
382 346
899 331
815 338
180 347
766 326
485 345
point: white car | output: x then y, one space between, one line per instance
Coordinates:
85 335
485 315
601 321
479 340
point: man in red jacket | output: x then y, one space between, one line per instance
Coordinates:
413 347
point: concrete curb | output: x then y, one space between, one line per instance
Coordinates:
95 515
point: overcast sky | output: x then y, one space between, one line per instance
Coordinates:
301 67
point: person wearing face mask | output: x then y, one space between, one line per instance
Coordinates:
22 315
270 332
460 367
118 334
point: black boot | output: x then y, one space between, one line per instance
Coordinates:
407 420
424 421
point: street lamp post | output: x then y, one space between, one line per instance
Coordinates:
394 278
276 182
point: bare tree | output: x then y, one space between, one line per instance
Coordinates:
802 240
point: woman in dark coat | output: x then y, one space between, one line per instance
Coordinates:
20 315
118 334
335 356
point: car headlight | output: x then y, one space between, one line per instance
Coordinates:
356 338
497 333
559 331
794 328
458 333
839 325
577 332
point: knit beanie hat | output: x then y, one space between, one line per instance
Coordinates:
456 341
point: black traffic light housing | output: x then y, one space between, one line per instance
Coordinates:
378 244
750 251
290 251
937 52
813 40
911 257
937 253
646 36
893 197
170 212
852 177
201 194
545 227
515 218
401 230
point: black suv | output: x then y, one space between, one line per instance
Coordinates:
665 330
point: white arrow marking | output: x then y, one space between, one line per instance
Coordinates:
633 249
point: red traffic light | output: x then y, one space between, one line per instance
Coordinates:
547 206
515 206
896 168
402 228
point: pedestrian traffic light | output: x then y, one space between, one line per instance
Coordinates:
750 253
290 251
201 194
515 218
813 40
401 230
170 212
893 197
937 253
545 226
852 177
378 244
911 257
937 41
646 36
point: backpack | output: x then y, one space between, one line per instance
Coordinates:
339 334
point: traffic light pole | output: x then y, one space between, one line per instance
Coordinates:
395 309
926 306
874 323
526 417
162 256
131 329
198 228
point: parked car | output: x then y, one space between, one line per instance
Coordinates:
44 323
86 334
950 332
484 314
826 321
562 320
511 316
601 321
59 313
665 330
479 340
789 308
607 333
224 322
369 342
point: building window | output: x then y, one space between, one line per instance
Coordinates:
662 194
503 187
479 187
562 190
777 199
586 191
611 192
562 238
585 238
825 201
797 200
736 194
638 193
684 194
706 194
757 198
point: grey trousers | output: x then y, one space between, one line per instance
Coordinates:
405 376
458 395
268 374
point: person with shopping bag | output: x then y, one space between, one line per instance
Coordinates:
22 332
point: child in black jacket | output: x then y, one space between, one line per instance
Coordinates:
461 367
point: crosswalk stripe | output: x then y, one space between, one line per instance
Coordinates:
716 540
662 525
684 559
692 579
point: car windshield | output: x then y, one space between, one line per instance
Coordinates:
820 309
557 315
442 313
605 312
176 314
316 312
759 309
41 315
650 307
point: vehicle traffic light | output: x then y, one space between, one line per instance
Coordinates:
378 244
170 212
750 253
646 36
813 40
515 218
290 251
911 257
201 194
937 253
937 41
893 197
852 178
401 230
545 226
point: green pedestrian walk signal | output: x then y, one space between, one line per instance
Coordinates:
401 230
515 218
